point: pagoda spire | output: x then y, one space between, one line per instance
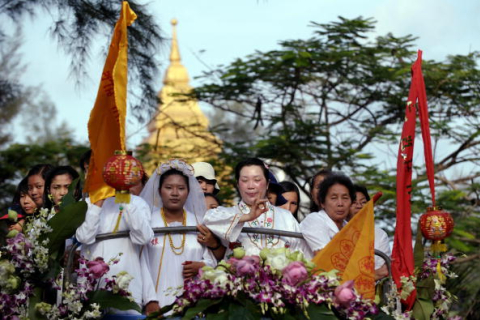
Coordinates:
180 128
176 74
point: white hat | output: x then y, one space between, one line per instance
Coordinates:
205 170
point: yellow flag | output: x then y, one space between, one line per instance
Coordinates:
351 251
106 127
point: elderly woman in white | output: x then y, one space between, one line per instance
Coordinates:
335 196
175 199
253 210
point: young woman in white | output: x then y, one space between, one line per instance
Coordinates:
176 199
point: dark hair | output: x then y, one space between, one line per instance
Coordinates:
172 172
144 179
251 162
362 190
332 180
207 194
22 188
291 187
85 159
40 169
58 171
311 182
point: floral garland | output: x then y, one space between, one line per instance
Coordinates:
437 268
277 282
177 164
25 268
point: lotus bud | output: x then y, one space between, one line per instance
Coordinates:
12 233
238 253
12 215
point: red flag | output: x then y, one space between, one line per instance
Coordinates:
402 253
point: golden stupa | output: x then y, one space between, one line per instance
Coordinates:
179 129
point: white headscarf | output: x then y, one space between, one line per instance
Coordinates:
195 201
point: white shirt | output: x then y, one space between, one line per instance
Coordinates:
318 229
165 264
136 218
225 223
382 244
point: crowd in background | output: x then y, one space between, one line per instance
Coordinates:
180 194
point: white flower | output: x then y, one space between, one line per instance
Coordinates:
277 259
217 276
122 281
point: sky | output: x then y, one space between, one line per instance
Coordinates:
213 32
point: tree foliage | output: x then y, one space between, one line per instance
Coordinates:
75 26
337 100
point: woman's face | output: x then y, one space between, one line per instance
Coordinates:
59 187
316 188
337 203
174 192
292 201
36 186
252 184
27 203
356 206
211 203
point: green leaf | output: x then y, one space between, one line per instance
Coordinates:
224 315
199 307
320 311
32 301
382 316
422 309
239 312
69 198
64 225
107 299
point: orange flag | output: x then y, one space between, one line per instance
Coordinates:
106 127
351 251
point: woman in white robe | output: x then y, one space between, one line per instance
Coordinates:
176 200
335 196
106 216
254 211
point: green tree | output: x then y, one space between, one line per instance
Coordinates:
337 100
75 27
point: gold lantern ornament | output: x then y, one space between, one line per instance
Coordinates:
121 172
436 225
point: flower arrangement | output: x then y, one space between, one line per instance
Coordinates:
433 298
278 284
85 299
30 271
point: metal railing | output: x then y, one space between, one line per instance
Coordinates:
122 234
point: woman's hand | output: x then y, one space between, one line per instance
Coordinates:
258 208
206 237
152 306
17 226
190 268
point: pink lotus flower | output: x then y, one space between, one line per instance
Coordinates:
294 273
245 266
98 267
344 293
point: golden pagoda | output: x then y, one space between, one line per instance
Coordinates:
179 129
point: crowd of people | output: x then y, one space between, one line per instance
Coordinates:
180 194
